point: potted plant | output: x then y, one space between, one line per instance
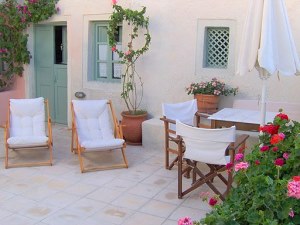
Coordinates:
132 85
207 94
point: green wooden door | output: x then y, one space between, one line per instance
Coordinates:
51 75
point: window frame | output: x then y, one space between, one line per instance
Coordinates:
109 61
200 69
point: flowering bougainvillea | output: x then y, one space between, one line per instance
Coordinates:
14 19
268 180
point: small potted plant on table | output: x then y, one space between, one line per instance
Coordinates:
207 94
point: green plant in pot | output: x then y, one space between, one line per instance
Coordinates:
132 85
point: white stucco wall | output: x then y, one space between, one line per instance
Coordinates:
169 66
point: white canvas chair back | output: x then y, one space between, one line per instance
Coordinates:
205 145
94 124
183 111
27 122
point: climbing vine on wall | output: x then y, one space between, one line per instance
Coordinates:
14 20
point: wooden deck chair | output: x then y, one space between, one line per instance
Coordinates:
25 129
95 128
215 148
184 111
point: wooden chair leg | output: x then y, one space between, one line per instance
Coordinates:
124 157
6 156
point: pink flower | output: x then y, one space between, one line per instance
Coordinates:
114 2
113 48
282 135
294 189
279 162
128 52
291 213
264 148
185 221
239 156
212 201
241 166
285 155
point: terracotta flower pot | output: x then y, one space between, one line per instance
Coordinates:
132 127
207 103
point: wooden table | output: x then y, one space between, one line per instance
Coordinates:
247 120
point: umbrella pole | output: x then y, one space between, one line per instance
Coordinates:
263 103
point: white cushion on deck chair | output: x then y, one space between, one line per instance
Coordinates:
27 141
183 111
94 126
206 145
27 122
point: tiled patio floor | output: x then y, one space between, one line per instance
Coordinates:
143 194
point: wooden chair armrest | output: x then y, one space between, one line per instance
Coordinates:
239 141
202 114
168 120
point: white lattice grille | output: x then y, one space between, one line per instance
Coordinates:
217 47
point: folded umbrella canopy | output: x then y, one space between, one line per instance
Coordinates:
267 44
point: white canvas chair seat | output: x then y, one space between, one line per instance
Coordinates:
95 128
27 141
97 145
214 147
183 111
25 128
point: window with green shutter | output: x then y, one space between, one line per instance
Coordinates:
107 66
216 47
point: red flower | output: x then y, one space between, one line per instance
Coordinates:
275 149
282 116
229 166
257 162
264 148
279 162
113 48
212 201
241 149
296 178
269 128
276 138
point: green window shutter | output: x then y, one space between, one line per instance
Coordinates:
106 63
216 47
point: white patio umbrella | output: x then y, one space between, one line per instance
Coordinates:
267 44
